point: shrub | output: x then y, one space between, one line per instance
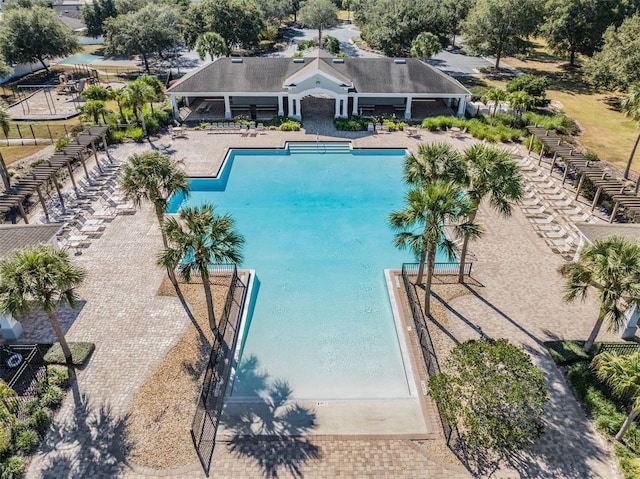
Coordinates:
27 441
135 133
290 125
12 468
52 397
76 130
152 124
116 136
80 352
349 124
61 143
59 376
332 44
39 420
536 86
629 462
30 406
298 54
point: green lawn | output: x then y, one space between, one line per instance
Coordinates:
605 131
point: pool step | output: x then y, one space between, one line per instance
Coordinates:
319 147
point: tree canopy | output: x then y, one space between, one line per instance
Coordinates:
151 30
239 22
318 14
425 45
34 35
95 14
576 26
499 27
391 25
617 65
495 392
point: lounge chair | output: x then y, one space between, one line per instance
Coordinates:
370 127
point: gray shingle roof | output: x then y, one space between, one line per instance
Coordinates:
600 231
13 237
368 75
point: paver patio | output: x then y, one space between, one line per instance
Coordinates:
133 329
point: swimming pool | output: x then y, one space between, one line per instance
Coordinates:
317 236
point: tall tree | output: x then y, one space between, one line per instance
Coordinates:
519 102
631 107
492 175
136 94
615 66
274 11
425 45
391 25
156 86
198 238
212 44
41 276
239 22
611 267
422 225
5 124
576 26
152 30
499 27
319 14
96 13
622 374
35 35
454 13
495 392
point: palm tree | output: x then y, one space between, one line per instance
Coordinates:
43 276
425 45
422 225
136 94
434 161
212 44
94 109
119 96
631 107
5 125
490 173
622 374
199 238
495 95
519 102
156 86
152 176
611 266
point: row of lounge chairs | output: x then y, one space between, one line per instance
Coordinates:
231 127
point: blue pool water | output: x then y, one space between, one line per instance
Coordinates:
80 59
317 235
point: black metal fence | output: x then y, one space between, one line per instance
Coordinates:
207 416
22 367
442 269
451 434
618 348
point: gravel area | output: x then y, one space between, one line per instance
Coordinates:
162 409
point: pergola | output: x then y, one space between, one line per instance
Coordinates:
585 168
15 196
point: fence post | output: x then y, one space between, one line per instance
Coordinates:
35 141
20 134
50 135
66 133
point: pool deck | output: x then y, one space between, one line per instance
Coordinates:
133 329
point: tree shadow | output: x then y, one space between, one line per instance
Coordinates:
504 315
458 315
91 444
37 326
266 426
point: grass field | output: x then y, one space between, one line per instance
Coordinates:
13 153
605 131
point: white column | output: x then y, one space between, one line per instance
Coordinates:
630 325
449 101
461 106
174 106
354 111
227 107
290 113
407 110
338 109
280 105
345 106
